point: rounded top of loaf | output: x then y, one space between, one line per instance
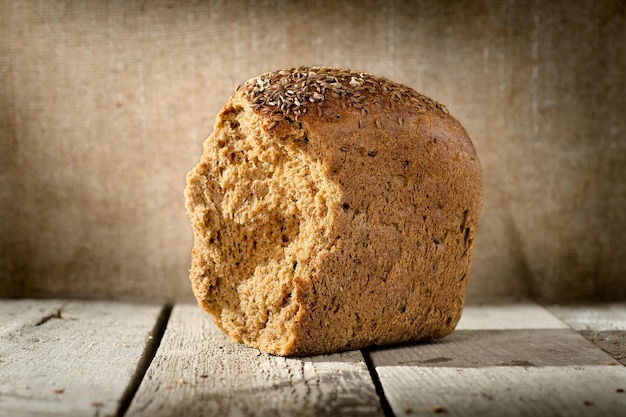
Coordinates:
297 91
328 99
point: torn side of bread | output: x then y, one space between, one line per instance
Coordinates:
333 210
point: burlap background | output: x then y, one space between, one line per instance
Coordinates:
104 107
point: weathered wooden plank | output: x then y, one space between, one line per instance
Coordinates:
488 348
199 372
487 370
522 315
16 315
598 317
505 391
602 324
612 342
70 358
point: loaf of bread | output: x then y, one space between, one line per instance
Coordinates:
333 210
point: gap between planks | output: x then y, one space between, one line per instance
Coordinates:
506 360
146 359
489 345
111 358
60 357
198 371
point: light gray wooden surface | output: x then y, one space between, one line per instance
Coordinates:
70 358
73 358
199 372
602 324
515 360
508 315
596 317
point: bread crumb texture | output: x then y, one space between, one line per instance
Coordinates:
333 210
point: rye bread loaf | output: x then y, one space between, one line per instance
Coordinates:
333 210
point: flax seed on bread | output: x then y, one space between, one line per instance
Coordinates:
333 210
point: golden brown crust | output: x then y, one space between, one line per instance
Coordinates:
386 202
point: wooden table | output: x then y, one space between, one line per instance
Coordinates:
96 358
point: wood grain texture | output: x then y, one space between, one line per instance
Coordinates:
20 315
506 315
602 324
505 391
488 370
487 348
70 358
198 371
598 317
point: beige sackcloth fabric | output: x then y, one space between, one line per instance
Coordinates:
104 106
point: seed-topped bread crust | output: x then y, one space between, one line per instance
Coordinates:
332 210
291 93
